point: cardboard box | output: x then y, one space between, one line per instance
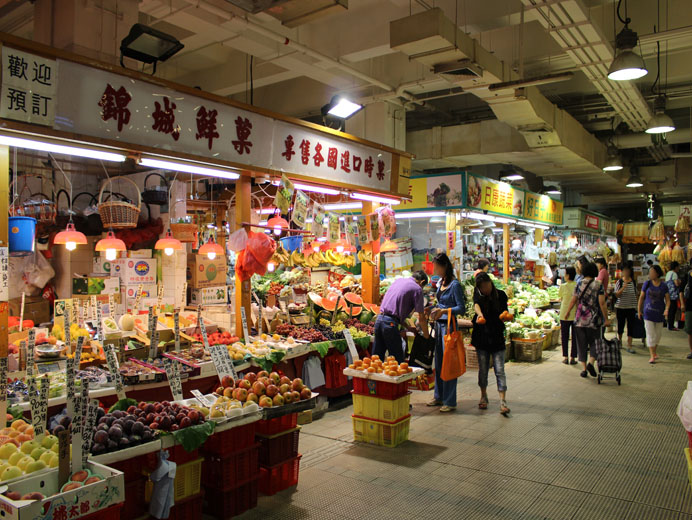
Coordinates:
100 265
202 272
139 253
133 271
36 308
209 295
148 291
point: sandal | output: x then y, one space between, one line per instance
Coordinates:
483 403
447 409
572 361
565 362
504 409
434 402
652 361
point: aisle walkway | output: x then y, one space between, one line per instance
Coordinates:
571 450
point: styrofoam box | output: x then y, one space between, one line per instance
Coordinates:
209 295
148 290
87 499
133 271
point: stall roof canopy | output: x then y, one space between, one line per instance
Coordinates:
52 93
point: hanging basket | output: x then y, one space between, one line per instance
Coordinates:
184 231
38 206
119 214
156 195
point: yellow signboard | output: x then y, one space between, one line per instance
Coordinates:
418 191
543 209
496 196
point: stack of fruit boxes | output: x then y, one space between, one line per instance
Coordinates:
380 412
278 453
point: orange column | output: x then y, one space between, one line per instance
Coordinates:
243 290
371 273
4 232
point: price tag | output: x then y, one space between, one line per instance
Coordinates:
99 322
183 297
153 341
176 326
86 313
39 423
114 369
69 385
77 429
159 297
21 313
30 349
78 351
67 321
34 398
4 274
243 317
202 400
94 303
223 362
351 345
111 305
63 457
173 375
138 297
88 433
3 387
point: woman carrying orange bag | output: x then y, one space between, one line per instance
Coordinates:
450 301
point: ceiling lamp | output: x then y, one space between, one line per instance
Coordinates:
315 245
52 147
169 244
627 64
388 246
552 190
211 249
341 108
70 237
341 245
111 245
375 198
148 45
613 163
513 177
661 122
634 181
278 223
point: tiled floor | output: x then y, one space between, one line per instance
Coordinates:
572 449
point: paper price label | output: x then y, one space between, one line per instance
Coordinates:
69 385
77 430
94 303
201 399
30 349
87 434
260 325
176 324
99 321
351 344
4 274
183 296
39 423
34 398
138 297
223 362
173 375
243 318
202 328
153 340
159 297
114 369
67 320
21 313
78 349
3 386
111 305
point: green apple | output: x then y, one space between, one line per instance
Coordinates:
4 466
10 473
48 441
24 462
28 447
36 454
36 465
6 450
15 457
47 456
54 462
54 448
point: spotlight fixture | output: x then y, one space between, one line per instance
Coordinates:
168 243
627 65
513 177
388 246
661 122
148 45
70 237
111 245
552 190
613 163
341 108
634 181
211 249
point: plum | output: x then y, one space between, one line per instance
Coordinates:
115 433
147 435
138 428
111 445
135 439
124 443
103 420
127 427
100 412
97 449
102 427
101 437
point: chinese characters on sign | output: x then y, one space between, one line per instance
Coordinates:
4 274
113 105
543 209
28 87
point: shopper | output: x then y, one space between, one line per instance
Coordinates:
686 303
626 304
579 265
402 298
589 299
673 282
488 338
483 266
654 303
450 295
567 318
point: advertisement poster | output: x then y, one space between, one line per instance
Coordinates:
351 230
374 221
284 194
363 230
498 197
334 231
300 209
444 191
317 225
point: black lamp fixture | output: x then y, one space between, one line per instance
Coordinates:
338 110
148 45
551 190
627 64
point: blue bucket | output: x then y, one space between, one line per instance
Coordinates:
292 243
22 232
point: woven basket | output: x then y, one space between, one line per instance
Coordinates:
118 214
183 231
37 205
157 194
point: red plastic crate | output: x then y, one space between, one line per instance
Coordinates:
227 504
334 365
110 513
276 449
134 505
379 389
277 425
176 454
225 473
187 508
230 441
279 477
131 468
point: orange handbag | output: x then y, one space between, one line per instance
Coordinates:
454 359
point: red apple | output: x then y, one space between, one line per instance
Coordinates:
226 381
285 380
259 388
262 373
244 383
296 396
275 377
278 400
288 397
264 380
305 393
194 416
265 402
240 394
219 390
252 397
284 388
185 422
251 376
272 390
297 384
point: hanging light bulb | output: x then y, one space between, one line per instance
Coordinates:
211 249
341 245
316 246
271 266
168 243
627 65
278 223
70 237
111 245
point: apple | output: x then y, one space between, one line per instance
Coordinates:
272 390
262 373
285 380
33 496
275 377
265 402
226 381
278 400
288 397
219 390
296 396
297 384
240 394
244 383
252 398
259 388
305 393
251 376
264 380
284 388
228 392
13 495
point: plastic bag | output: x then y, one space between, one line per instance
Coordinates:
238 240
658 231
682 224
454 359
254 258
387 221
38 272
685 408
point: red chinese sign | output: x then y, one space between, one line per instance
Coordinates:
113 105
592 222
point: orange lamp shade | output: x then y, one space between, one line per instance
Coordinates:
341 245
211 249
168 242
70 236
110 242
278 223
388 246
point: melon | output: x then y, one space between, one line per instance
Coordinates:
316 298
372 308
328 305
353 298
127 322
355 311
342 316
366 317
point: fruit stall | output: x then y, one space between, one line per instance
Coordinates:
162 307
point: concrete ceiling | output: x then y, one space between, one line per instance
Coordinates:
345 47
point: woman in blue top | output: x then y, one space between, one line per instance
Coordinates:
654 302
450 295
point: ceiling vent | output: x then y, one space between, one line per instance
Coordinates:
460 68
292 13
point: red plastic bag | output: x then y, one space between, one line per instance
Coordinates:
256 255
454 359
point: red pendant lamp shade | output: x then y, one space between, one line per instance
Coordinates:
70 237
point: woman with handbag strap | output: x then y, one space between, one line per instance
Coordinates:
450 295
589 297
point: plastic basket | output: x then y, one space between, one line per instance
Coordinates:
292 243
189 508
277 425
187 481
276 449
233 502
110 513
224 473
279 477
389 434
380 409
132 468
528 349
21 235
118 214
379 389
230 441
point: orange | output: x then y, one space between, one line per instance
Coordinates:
409 370
29 431
404 366
375 356
352 366
372 370
358 362
22 427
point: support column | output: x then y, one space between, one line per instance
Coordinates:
4 236
538 273
371 273
505 253
243 291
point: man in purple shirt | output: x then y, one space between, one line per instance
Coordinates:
402 298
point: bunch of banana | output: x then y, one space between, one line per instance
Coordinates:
297 258
335 258
281 256
315 259
350 261
365 257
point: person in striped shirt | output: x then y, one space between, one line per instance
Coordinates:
626 304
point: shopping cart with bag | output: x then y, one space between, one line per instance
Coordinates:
609 358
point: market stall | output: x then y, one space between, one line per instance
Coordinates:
179 318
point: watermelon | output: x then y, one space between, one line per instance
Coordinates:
353 298
366 317
328 305
355 311
342 316
316 298
372 308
